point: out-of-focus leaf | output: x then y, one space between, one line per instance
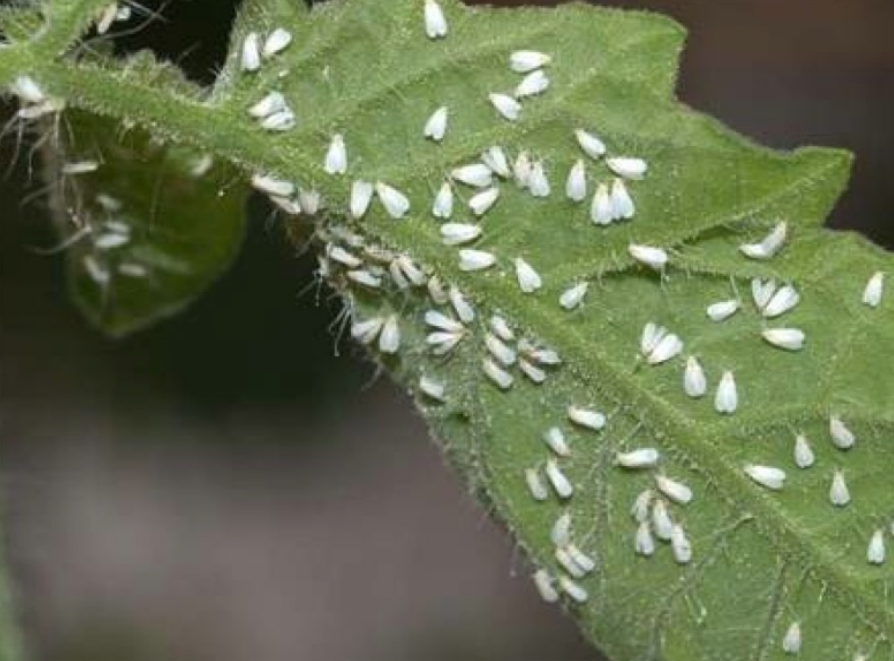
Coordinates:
147 226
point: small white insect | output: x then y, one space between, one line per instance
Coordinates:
623 207
397 276
639 458
673 489
475 260
576 183
726 399
499 350
524 61
509 108
389 338
539 355
443 342
436 126
555 439
272 186
410 271
538 184
762 291
602 212
276 42
695 384
529 280
36 111
804 456
668 347
442 207
436 291
573 296
560 533
842 436
501 328
366 331
309 200
641 504
644 543
535 485
106 17
336 161
251 52
439 320
586 418
500 377
565 559
581 559
769 245
354 240
454 234
132 270
766 476
650 337
559 481
875 552
495 158
342 256
790 339
396 203
872 295
661 521
534 373
680 545
791 641
785 299
545 588
626 167
281 120
592 145
111 240
478 175
533 84
722 310
435 21
27 90
573 589
365 278
432 388
839 494
463 309
361 196
657 345
521 169
651 256
482 202
97 272
201 165
79 167
109 203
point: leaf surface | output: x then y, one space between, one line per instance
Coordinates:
762 560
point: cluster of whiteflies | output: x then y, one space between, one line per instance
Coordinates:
452 320
608 181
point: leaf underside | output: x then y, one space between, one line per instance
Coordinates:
762 560
147 231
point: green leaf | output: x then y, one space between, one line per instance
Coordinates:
762 560
148 230
366 70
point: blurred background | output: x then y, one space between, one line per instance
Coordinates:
225 487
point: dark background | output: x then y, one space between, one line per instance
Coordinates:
224 487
